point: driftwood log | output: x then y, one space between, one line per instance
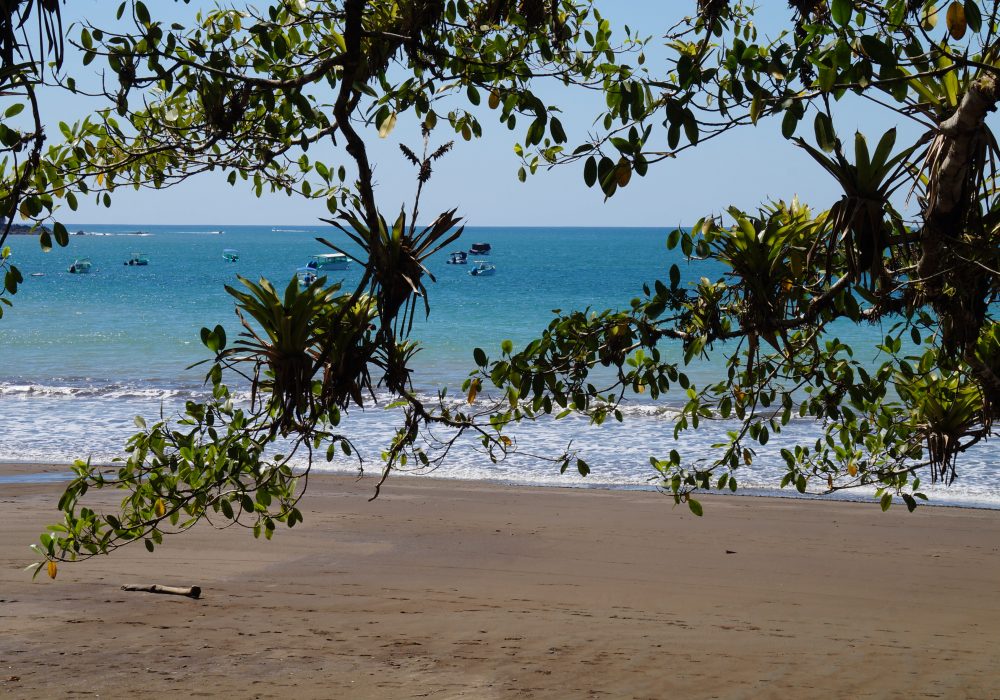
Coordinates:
189 591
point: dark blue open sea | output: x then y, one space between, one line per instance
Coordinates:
84 354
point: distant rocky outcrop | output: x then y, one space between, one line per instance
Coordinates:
25 229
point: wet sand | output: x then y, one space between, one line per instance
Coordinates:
444 589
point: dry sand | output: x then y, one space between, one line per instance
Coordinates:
466 590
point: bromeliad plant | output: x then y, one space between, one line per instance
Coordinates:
292 343
864 219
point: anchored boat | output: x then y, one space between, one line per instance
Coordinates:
80 266
483 269
306 275
329 261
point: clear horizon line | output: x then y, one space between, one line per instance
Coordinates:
324 225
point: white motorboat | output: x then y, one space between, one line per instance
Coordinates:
80 266
483 269
329 261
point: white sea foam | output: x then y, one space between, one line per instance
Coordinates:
48 429
101 391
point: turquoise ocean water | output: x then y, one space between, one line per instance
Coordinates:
83 354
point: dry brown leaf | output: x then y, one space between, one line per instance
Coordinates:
955 19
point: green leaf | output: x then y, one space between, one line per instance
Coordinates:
691 127
280 47
480 357
556 128
61 234
841 12
877 50
220 334
215 339
973 16
789 123
695 507
756 107
590 171
141 13
673 238
10 280
886 501
826 138
675 276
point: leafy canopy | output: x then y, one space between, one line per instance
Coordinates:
929 276
248 93
264 96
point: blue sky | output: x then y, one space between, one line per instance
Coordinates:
479 177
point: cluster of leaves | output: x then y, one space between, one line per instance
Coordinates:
933 278
249 92
25 176
222 462
309 355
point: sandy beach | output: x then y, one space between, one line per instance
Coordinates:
443 589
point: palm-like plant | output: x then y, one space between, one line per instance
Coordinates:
945 408
767 254
295 336
394 274
864 217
